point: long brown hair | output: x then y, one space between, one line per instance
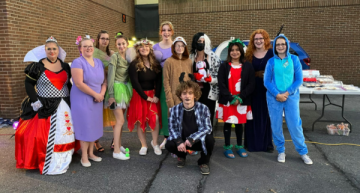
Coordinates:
251 47
184 56
154 64
97 45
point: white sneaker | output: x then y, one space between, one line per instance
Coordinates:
281 157
162 145
143 151
157 149
120 156
123 150
307 159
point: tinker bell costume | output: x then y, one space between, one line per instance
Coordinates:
283 75
119 85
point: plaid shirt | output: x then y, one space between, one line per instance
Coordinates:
202 115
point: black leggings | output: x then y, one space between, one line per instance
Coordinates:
227 133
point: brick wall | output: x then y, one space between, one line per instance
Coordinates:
26 24
327 29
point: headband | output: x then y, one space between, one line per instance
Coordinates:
236 41
79 39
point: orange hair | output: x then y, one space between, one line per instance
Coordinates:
169 24
251 47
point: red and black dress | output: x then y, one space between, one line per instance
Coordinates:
145 84
45 138
234 114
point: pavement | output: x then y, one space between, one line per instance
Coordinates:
336 167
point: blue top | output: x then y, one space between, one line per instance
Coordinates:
283 75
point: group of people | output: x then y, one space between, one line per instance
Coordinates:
164 87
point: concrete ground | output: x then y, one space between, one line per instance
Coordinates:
336 167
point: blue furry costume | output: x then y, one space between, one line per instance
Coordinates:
283 75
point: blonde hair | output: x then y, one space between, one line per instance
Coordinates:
154 64
169 24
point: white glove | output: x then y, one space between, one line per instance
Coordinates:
36 105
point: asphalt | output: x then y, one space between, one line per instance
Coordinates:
335 169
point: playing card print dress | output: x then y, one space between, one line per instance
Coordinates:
45 138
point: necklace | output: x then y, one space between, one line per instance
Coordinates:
51 61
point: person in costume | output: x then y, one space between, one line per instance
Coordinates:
144 108
258 131
190 127
119 92
86 98
179 63
103 44
282 79
236 80
166 31
45 138
201 53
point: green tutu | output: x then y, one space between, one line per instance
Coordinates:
122 94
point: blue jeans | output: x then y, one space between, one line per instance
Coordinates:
293 122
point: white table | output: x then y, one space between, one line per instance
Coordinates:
325 94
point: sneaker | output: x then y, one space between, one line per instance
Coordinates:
307 159
121 156
123 150
281 157
162 145
143 151
157 149
181 162
204 169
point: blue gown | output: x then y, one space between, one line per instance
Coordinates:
258 131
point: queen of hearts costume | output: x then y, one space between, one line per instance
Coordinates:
45 138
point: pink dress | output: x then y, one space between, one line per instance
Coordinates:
234 114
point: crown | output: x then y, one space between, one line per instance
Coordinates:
51 39
79 39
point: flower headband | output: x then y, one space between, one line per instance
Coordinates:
118 34
79 39
144 42
237 40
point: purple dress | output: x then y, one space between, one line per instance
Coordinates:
87 114
166 53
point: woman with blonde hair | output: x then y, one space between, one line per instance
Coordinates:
166 31
87 95
258 131
144 108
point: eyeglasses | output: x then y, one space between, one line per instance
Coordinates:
280 45
258 39
49 49
104 39
180 46
88 47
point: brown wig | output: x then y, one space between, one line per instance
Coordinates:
251 47
241 49
97 45
189 85
154 64
185 55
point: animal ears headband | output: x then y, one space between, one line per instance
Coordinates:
236 41
79 39
182 75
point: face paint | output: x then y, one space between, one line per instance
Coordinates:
200 46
